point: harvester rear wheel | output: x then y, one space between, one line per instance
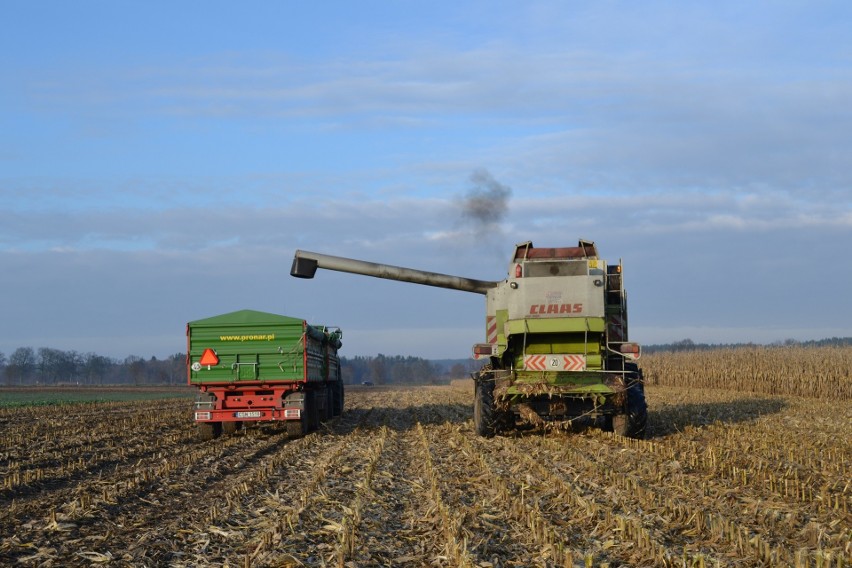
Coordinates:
209 430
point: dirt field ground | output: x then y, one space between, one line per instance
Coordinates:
724 479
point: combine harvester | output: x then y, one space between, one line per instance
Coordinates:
556 337
253 366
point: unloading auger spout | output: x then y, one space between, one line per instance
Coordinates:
305 265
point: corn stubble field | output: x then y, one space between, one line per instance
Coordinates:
725 478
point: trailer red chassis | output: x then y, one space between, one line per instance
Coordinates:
250 402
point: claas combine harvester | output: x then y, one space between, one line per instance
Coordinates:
556 346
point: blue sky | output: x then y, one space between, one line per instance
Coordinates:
160 162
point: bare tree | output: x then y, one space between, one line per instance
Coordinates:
136 367
95 368
22 364
177 368
378 369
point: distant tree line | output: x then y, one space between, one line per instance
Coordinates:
46 366
689 345
384 369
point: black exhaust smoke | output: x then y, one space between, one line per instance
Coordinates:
486 203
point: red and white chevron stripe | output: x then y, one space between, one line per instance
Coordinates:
535 362
574 363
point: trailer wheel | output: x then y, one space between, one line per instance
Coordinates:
230 428
209 430
338 398
324 400
311 412
297 428
634 421
336 389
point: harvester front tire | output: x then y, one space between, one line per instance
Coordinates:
230 428
605 423
485 418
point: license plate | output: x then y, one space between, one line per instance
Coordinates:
248 414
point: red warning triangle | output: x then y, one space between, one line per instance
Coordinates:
209 357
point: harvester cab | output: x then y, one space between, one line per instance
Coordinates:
556 345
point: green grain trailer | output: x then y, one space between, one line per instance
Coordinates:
251 366
556 346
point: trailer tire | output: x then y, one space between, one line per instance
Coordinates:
296 428
323 402
230 428
311 417
634 421
330 396
209 430
337 389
